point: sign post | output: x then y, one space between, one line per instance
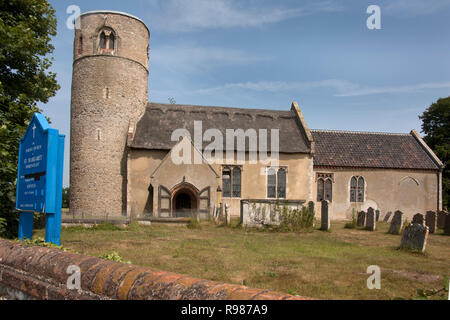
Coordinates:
39 179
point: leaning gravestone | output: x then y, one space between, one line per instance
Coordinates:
377 212
447 224
430 221
325 217
396 223
387 216
361 219
371 223
418 219
441 219
414 237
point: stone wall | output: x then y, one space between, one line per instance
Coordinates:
28 272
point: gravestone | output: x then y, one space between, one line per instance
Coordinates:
441 219
415 237
396 223
361 219
227 214
418 219
377 212
430 221
371 223
311 207
387 216
312 211
325 217
447 224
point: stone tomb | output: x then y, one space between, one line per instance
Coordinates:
418 219
430 221
371 223
396 223
414 237
361 219
387 216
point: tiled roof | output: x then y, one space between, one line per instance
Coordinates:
154 130
370 150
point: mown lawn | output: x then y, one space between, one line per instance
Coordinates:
324 265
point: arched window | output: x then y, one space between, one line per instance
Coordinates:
328 190
276 182
112 39
361 189
231 182
226 183
271 183
107 41
320 189
357 186
324 189
281 183
102 44
236 182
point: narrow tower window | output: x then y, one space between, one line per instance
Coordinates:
103 41
107 41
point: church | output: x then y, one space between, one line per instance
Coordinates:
140 159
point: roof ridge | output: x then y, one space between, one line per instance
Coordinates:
235 109
362 132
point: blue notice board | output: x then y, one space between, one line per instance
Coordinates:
39 178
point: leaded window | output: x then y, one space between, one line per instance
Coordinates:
236 182
276 183
357 185
226 183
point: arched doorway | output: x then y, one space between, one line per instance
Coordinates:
184 201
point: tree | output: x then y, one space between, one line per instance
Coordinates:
436 126
26 28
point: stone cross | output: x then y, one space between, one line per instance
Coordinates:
361 219
418 219
430 221
396 223
371 223
325 217
415 237
377 212
387 216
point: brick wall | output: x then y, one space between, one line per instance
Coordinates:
30 272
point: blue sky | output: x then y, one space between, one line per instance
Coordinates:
266 54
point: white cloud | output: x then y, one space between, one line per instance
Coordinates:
342 88
183 15
416 7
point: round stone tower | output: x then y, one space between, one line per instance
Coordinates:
109 93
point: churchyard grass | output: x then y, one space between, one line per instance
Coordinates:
324 265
